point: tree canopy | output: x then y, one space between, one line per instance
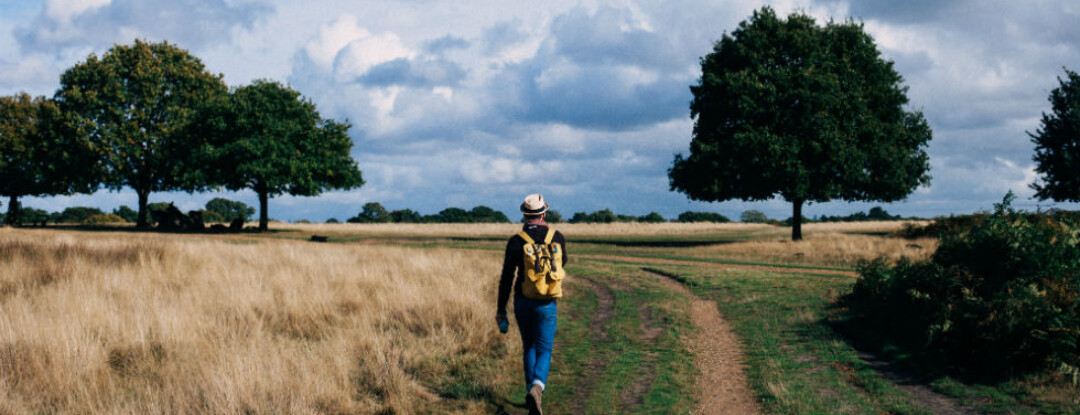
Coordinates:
372 212
230 209
1057 143
137 103
41 152
265 137
805 112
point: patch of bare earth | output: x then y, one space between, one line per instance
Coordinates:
662 261
722 387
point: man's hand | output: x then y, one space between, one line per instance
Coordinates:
504 324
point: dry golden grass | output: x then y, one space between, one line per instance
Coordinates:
142 323
822 248
506 229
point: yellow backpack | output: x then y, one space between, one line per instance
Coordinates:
543 268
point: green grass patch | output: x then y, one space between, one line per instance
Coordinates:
796 362
623 372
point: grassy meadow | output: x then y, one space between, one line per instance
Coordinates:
393 318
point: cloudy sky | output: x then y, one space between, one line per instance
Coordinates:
479 102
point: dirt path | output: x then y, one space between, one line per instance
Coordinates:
721 386
662 261
605 310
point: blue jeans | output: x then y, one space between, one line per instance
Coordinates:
536 320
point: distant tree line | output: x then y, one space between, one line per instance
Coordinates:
218 210
150 117
374 212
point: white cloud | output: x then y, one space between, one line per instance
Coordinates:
63 10
367 51
323 49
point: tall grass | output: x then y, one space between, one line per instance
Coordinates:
137 323
823 248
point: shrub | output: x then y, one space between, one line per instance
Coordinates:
753 216
229 209
702 217
406 216
600 216
210 216
129 214
1000 296
78 214
103 218
652 217
553 216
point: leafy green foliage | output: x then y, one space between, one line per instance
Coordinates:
211 216
129 214
137 104
876 213
808 113
479 214
77 214
652 217
484 214
406 216
373 212
607 216
102 219
41 152
753 216
553 216
1057 143
600 216
32 216
265 137
1000 297
702 217
229 210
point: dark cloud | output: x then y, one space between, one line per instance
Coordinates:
598 71
414 73
599 97
903 11
608 37
190 23
445 43
503 35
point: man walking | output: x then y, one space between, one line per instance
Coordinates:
533 269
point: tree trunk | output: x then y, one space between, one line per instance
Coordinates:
796 220
264 218
12 217
144 212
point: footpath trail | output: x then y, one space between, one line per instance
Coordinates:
722 387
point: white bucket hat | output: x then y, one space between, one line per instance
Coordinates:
534 205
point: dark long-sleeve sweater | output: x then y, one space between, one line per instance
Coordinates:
513 271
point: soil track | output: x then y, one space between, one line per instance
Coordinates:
605 310
662 261
722 387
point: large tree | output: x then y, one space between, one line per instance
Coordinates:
805 112
41 152
267 138
137 103
1057 143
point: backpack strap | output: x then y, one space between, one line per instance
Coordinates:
550 235
525 236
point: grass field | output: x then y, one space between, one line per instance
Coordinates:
399 319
